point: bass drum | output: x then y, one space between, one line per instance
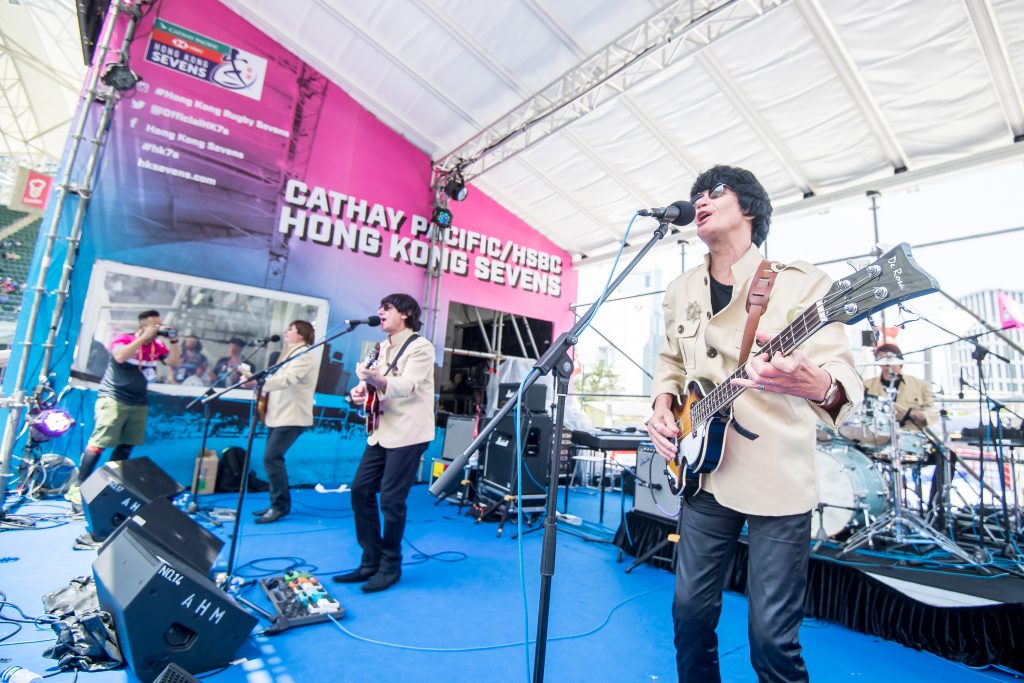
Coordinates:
849 485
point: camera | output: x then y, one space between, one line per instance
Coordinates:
168 332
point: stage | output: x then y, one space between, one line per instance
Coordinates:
457 614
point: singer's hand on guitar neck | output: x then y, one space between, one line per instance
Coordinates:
795 374
372 376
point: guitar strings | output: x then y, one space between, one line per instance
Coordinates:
809 320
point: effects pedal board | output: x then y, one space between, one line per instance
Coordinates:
299 599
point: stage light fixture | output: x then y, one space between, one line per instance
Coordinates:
119 77
456 188
49 424
442 217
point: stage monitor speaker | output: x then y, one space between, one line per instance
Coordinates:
653 495
119 489
165 611
162 524
535 400
175 674
457 435
500 459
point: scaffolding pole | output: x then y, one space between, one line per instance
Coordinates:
83 189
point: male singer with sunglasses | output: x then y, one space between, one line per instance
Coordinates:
404 382
767 478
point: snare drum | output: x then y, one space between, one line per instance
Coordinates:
849 485
914 449
871 425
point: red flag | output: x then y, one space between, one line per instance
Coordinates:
1011 314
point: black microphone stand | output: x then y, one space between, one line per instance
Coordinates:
259 378
193 504
555 359
978 354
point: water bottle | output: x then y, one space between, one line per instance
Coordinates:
16 674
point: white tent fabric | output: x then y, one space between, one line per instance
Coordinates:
41 75
818 97
813 95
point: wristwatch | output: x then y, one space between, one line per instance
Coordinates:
830 395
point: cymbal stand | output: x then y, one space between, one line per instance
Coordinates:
900 526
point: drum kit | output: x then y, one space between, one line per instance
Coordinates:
863 471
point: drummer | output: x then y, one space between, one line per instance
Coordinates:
914 404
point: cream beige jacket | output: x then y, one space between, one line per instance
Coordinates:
290 389
913 394
774 474
407 404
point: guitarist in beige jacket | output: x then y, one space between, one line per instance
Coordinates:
288 412
767 477
403 380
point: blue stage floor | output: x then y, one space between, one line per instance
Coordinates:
458 613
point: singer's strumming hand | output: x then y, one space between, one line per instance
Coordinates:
358 394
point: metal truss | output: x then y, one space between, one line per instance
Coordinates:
671 35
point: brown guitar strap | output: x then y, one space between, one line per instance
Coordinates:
757 301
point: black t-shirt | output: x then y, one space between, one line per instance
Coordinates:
721 295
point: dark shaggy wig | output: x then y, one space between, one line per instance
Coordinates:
753 199
407 305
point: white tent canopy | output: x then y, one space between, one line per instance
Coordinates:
573 114
41 74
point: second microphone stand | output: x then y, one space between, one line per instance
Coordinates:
556 360
193 504
259 378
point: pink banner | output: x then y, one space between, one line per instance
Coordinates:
37 190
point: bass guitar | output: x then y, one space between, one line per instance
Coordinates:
703 414
371 408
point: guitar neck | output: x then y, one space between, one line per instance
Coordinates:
794 334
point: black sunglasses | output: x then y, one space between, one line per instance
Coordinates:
714 193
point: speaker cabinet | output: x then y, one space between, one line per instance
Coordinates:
165 611
164 525
653 495
457 435
535 400
500 461
119 489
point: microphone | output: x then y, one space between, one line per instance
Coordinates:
266 340
677 213
962 383
372 321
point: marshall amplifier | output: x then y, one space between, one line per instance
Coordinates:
652 493
535 400
119 489
500 477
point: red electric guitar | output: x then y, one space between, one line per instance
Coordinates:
371 408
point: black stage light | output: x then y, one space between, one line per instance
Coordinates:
119 77
441 216
456 188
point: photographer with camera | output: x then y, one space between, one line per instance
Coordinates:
121 405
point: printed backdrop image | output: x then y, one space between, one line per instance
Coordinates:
235 161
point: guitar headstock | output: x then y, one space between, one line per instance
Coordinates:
894 277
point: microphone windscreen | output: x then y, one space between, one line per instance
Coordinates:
275 337
373 321
687 213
